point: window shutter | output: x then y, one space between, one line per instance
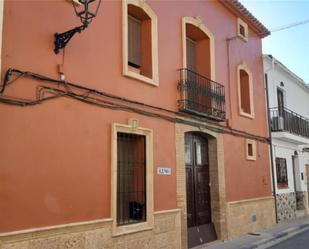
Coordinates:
191 50
134 42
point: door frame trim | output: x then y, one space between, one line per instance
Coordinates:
217 179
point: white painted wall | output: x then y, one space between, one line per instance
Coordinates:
296 95
302 186
305 162
284 150
297 100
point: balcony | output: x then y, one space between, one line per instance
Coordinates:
285 120
201 96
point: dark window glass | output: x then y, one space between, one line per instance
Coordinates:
282 175
250 150
280 97
131 178
242 30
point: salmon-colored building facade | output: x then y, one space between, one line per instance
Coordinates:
108 144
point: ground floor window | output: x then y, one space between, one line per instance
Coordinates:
131 178
282 175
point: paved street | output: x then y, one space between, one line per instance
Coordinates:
300 241
290 234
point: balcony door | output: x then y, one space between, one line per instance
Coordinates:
198 83
200 227
191 51
191 73
280 97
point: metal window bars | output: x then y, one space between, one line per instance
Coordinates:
131 179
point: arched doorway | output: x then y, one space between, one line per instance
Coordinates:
199 220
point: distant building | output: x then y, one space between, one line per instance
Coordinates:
157 138
289 113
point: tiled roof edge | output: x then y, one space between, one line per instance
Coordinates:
237 7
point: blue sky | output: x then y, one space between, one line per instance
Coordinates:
290 46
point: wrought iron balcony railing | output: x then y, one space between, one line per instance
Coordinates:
283 119
201 96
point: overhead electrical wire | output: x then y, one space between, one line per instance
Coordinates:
95 97
292 25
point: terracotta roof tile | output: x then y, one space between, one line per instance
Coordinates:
240 10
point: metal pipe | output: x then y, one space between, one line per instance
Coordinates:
271 147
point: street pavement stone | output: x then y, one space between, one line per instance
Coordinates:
299 241
263 239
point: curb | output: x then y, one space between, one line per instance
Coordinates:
278 237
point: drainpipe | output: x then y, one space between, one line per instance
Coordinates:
228 40
271 147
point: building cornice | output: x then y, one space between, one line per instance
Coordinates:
239 10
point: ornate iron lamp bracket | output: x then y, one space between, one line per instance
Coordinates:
85 16
62 39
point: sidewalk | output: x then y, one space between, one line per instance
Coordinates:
263 238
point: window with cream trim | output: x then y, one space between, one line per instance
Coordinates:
245 91
132 178
140 49
242 29
250 149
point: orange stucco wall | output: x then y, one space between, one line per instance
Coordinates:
55 163
245 179
55 157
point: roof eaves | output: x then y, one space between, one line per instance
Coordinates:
296 78
240 10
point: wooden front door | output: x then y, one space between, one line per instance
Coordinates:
200 227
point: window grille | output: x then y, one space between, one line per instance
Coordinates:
282 175
131 178
242 30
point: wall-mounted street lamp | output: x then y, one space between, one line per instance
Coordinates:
83 9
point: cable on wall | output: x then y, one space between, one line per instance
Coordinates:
106 100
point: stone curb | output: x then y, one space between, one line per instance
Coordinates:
278 237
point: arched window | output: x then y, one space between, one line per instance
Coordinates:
245 91
140 55
198 47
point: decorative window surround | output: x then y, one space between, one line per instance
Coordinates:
243 34
154 43
250 145
198 22
132 128
243 66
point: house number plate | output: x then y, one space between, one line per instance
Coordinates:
164 171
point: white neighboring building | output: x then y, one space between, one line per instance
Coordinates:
289 118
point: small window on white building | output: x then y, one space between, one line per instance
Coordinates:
282 174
